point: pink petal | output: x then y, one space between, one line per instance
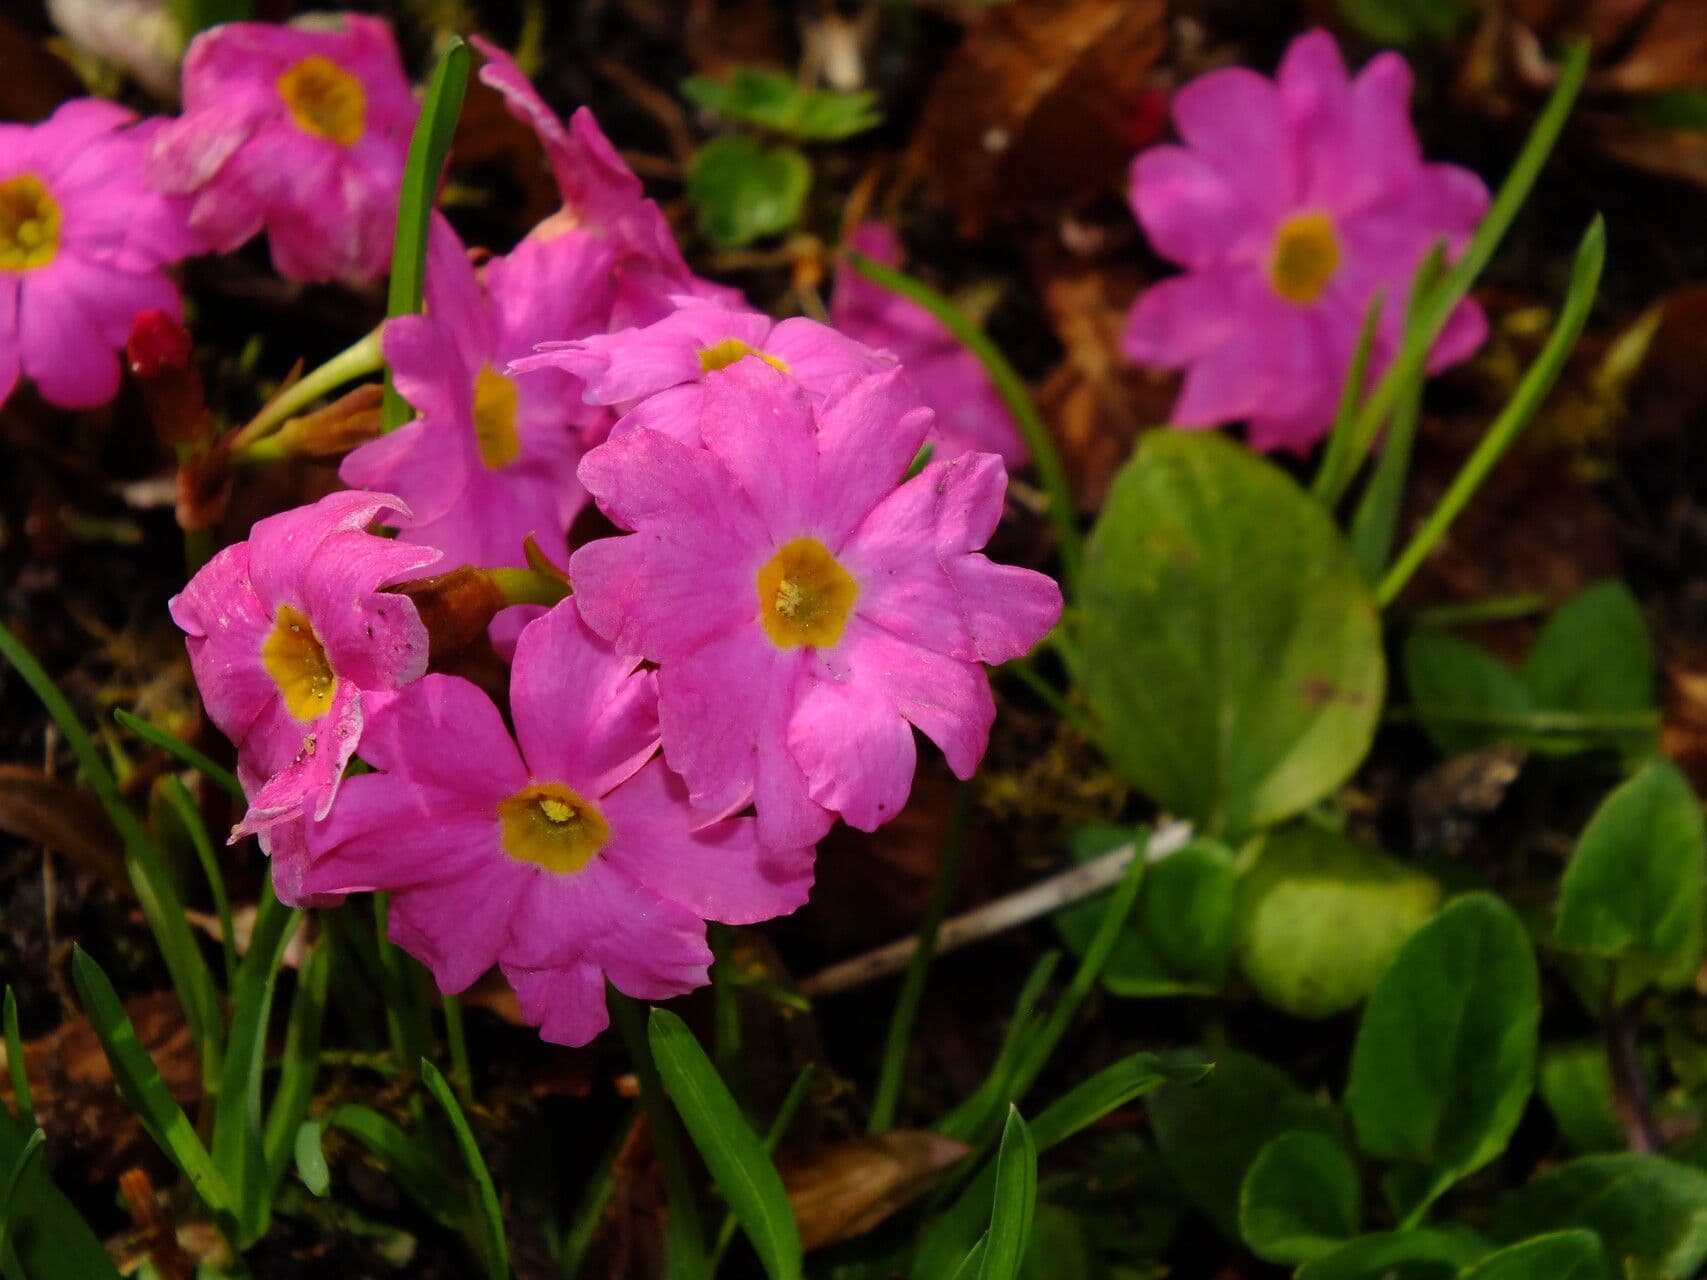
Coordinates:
1194 214
281 547
945 699
443 733
712 705
1183 318
567 1004
1235 121
387 834
757 422
851 743
868 435
225 627
309 783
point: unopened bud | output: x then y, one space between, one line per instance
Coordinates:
351 420
455 607
161 357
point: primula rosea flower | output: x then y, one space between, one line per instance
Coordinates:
1290 204
801 607
970 415
287 632
658 372
491 458
575 859
83 244
602 196
303 131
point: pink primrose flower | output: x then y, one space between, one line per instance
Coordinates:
803 604
299 130
491 458
602 196
83 244
970 415
574 859
1290 203
289 634
658 373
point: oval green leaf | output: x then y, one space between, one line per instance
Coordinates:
1564 1255
743 190
1300 1198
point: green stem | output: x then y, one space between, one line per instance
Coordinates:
1443 617
1011 387
355 361
529 586
1339 439
457 1036
683 1231
887 1095
179 796
1537 382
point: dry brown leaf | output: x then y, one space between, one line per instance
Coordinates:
1039 105
847 1188
42 810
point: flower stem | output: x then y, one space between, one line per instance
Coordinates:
1011 387
360 358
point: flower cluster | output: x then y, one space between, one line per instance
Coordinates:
1290 204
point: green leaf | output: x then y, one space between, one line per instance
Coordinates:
728 1145
1209 1133
21 1166
49 1238
1300 1198
414 1167
1459 689
222 778
1564 1255
1402 21
1320 918
1636 888
1576 1084
1593 655
772 100
1060 1247
1180 937
16 1064
1395 1255
1650 1212
1013 1204
143 1090
1232 648
299 1065
490 1215
311 1158
428 147
1445 1057
743 190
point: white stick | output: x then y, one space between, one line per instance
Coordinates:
999 915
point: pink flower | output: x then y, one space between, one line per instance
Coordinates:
602 196
659 372
287 632
802 608
303 131
83 241
970 415
490 459
1290 204
570 861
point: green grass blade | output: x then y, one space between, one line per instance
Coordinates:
25 1161
145 1093
427 151
178 795
779 1126
887 1095
46 1237
1537 381
1339 439
15 1065
300 1065
415 1168
456 1036
684 1232
238 1146
159 900
1011 387
1413 353
491 1216
731 1150
1014 1201
182 751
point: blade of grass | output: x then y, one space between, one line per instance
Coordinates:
1537 381
684 1233
428 148
1377 517
590 1208
238 1144
300 1064
887 1094
1443 617
456 1036
145 1093
495 1246
22 1102
405 1012
178 795
1011 387
183 751
731 1150
161 907
22 1165
48 1239
1357 373
416 1169
1012 1205
779 1126
1413 353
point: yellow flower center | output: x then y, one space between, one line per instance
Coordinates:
495 418
805 596
551 826
29 224
324 100
296 660
1306 255
727 352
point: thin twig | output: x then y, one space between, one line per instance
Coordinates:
1059 890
